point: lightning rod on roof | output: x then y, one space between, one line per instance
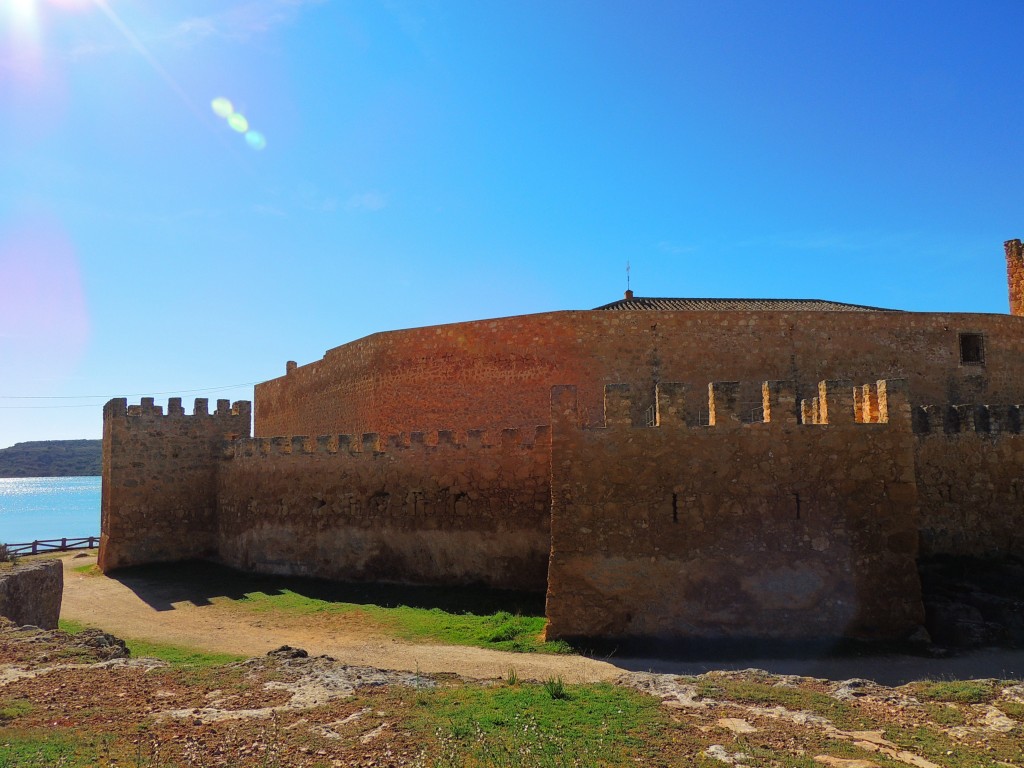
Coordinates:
629 293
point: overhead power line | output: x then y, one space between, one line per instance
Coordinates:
108 397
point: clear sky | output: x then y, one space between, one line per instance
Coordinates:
414 163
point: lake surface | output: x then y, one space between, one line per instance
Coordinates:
48 508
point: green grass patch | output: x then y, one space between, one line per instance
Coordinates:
89 570
1014 709
960 691
177 655
499 630
71 626
13 709
943 714
594 725
41 748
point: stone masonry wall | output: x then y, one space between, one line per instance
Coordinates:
422 508
970 479
32 593
1015 275
492 374
734 530
159 479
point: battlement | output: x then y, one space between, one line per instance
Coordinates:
372 444
839 402
952 419
146 409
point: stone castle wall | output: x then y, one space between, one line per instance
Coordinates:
159 479
792 508
427 508
734 530
492 374
970 478
805 521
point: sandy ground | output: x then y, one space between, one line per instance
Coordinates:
219 625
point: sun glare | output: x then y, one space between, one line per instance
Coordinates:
73 5
23 15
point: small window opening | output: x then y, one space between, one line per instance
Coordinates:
650 417
972 349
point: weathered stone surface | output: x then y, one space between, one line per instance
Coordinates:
757 530
159 479
427 509
32 593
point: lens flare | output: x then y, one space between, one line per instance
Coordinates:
256 140
222 107
238 122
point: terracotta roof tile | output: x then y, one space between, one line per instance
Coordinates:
736 305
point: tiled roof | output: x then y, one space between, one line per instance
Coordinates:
742 305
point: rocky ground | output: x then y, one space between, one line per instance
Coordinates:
69 700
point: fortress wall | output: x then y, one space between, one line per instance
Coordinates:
769 530
498 373
480 375
970 479
159 479
419 508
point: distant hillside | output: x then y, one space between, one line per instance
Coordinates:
51 458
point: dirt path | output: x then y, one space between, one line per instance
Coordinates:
220 626
155 611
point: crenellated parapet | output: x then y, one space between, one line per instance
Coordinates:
239 412
371 444
838 403
967 418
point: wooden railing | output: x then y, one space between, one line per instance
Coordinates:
52 545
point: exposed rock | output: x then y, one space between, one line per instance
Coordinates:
287 652
720 753
852 689
106 645
31 593
736 725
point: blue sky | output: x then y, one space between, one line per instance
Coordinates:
431 162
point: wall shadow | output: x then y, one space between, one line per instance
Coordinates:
162 586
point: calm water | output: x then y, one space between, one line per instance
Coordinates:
48 508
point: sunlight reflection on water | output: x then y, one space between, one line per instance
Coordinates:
48 508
